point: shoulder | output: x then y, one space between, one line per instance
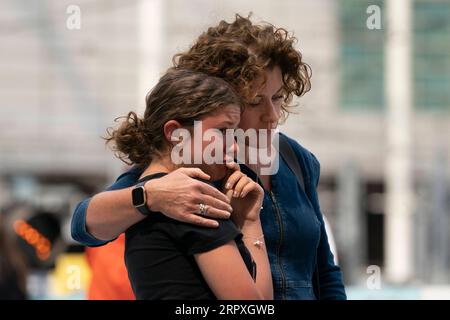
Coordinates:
126 179
197 239
306 157
132 173
190 238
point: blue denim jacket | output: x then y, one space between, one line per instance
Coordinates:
293 225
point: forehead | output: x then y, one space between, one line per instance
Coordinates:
230 113
273 81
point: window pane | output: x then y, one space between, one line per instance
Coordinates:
431 49
361 54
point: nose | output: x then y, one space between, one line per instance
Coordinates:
232 149
271 113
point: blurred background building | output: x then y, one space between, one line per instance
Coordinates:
377 118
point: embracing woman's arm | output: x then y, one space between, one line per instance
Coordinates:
227 275
105 216
110 213
91 221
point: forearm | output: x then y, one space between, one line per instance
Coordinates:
254 241
110 213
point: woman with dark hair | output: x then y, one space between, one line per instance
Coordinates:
168 259
262 65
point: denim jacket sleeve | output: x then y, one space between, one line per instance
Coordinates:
78 224
330 276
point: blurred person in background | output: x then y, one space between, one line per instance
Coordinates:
39 238
261 63
13 269
109 278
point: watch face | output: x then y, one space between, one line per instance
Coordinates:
138 196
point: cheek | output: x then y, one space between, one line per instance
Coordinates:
216 171
278 106
279 110
248 119
219 172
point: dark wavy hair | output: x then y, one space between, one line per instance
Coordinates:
240 51
180 94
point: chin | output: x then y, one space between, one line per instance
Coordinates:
217 172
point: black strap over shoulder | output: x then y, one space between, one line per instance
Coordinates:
289 156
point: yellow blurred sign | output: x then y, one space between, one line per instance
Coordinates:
72 275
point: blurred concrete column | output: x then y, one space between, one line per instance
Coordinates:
151 24
432 223
398 173
351 224
439 262
421 228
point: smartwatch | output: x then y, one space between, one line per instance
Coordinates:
139 198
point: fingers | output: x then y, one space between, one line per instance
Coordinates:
240 185
193 218
249 188
216 208
189 212
218 203
229 194
217 214
233 179
195 173
233 166
213 192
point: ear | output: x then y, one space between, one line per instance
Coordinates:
169 127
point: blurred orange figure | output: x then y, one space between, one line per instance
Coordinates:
109 275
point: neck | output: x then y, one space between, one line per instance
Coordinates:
257 158
162 164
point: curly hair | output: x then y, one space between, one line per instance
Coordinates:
181 95
240 51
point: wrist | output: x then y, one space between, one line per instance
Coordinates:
251 227
256 239
150 195
252 215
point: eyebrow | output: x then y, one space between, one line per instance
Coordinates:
278 91
226 122
281 88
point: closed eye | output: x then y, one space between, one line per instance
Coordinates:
279 97
256 101
224 130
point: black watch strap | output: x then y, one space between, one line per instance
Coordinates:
139 198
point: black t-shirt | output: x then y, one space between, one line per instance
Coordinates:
159 255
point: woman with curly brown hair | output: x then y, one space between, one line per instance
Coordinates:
261 63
